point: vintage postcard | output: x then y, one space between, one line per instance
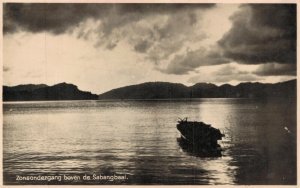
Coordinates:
155 93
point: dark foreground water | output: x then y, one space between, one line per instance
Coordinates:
135 142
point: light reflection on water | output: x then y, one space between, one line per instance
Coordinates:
139 138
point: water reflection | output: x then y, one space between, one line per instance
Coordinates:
139 138
198 150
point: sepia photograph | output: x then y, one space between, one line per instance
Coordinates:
149 93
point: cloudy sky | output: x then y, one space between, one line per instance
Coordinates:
99 47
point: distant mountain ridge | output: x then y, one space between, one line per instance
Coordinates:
30 92
165 90
151 90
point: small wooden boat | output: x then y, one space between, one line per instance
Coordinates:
199 136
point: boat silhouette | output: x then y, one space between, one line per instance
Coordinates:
198 138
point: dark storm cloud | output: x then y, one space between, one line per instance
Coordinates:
54 18
225 74
182 64
142 46
230 73
166 35
154 30
230 70
59 18
275 69
262 33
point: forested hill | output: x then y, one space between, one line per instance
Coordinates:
30 92
151 90
165 90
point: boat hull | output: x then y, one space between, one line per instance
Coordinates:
199 133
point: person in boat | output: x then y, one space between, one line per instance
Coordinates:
182 120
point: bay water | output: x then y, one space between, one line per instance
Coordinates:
136 142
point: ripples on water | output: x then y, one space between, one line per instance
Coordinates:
139 139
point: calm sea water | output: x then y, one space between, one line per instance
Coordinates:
137 141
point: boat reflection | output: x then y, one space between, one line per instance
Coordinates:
199 150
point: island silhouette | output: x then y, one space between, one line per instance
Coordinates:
152 90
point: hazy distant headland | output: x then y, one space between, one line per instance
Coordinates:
151 90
